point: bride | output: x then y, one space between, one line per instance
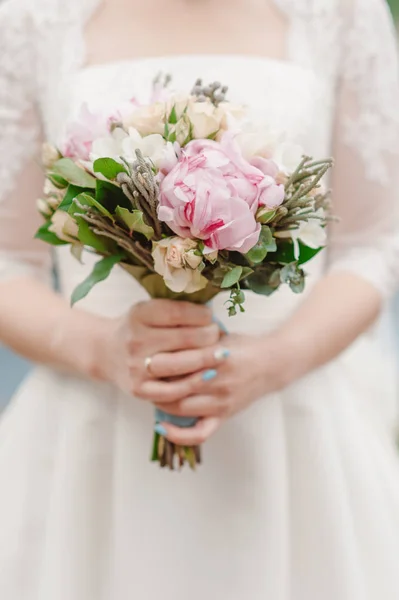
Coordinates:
298 498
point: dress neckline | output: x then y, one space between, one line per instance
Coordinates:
176 58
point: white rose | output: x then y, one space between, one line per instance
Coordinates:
182 129
64 226
50 155
179 102
176 261
206 118
147 119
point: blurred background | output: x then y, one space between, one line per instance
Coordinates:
13 369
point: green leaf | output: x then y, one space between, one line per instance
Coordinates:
101 271
266 243
166 131
66 168
58 181
87 199
47 236
232 277
260 284
72 192
88 238
246 272
306 253
172 137
134 219
285 253
213 135
173 116
108 167
110 196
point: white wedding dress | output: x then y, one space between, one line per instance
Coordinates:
298 498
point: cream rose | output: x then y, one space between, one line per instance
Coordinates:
147 119
64 227
176 261
205 118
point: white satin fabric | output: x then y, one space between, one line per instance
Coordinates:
298 498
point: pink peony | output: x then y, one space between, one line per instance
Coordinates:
81 134
213 194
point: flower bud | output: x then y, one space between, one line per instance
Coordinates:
43 207
50 155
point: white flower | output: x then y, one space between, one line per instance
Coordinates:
50 155
64 226
110 146
310 233
176 261
179 102
147 119
54 195
205 118
287 156
161 153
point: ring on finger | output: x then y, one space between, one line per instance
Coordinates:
147 365
221 354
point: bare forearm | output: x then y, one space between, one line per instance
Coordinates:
39 324
339 308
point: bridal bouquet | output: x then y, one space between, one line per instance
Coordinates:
190 198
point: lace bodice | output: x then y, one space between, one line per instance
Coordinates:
337 93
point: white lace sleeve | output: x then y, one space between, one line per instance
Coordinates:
21 181
366 149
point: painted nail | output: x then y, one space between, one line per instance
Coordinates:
221 326
160 429
222 354
208 375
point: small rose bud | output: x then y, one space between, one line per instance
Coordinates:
43 207
265 215
50 155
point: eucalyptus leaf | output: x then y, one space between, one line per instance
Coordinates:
266 243
134 219
108 167
47 236
232 277
66 168
101 271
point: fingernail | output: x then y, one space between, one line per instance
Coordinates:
222 354
220 325
160 429
208 375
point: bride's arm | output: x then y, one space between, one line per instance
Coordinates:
34 320
363 251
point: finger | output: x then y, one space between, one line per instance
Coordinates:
172 313
192 436
166 392
180 338
175 364
195 406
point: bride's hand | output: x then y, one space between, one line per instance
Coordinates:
174 335
255 366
